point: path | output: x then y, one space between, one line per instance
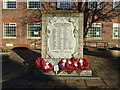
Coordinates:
105 67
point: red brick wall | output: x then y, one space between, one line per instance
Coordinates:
107 25
21 15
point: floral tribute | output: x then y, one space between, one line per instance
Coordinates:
74 64
64 64
44 66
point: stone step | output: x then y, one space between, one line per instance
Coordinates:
87 72
61 75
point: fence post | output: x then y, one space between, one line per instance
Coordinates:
96 44
35 45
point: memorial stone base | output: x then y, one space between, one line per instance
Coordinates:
87 72
62 75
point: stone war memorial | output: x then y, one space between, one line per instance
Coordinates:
62 44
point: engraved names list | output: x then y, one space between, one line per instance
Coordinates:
61 40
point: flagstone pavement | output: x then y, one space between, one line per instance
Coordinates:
105 66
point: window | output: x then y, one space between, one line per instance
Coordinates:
63 3
9 4
34 30
116 30
94 4
9 30
94 30
116 4
33 3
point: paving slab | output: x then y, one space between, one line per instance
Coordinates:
37 83
76 83
45 88
16 83
108 88
103 76
111 82
114 71
65 88
95 82
82 88
89 88
105 68
55 83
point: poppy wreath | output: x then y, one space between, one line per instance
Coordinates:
62 64
83 64
45 66
70 66
39 62
75 62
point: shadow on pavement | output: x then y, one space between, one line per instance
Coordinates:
28 55
17 75
104 60
100 53
103 54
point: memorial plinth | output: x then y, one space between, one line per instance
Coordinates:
62 37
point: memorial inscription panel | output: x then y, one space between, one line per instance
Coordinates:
61 39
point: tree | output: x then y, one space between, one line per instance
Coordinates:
94 14
105 12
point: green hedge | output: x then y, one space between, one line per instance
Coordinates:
4 50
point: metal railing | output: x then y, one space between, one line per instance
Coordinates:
96 44
35 43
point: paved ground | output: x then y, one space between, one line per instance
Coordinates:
102 64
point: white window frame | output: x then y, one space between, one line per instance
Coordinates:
32 0
4 37
115 25
28 32
98 2
114 3
4 6
94 25
59 1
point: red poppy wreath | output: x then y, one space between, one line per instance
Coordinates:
44 66
83 64
62 64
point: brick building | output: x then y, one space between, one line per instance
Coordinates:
22 21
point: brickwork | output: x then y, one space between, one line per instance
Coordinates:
107 25
107 35
21 15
